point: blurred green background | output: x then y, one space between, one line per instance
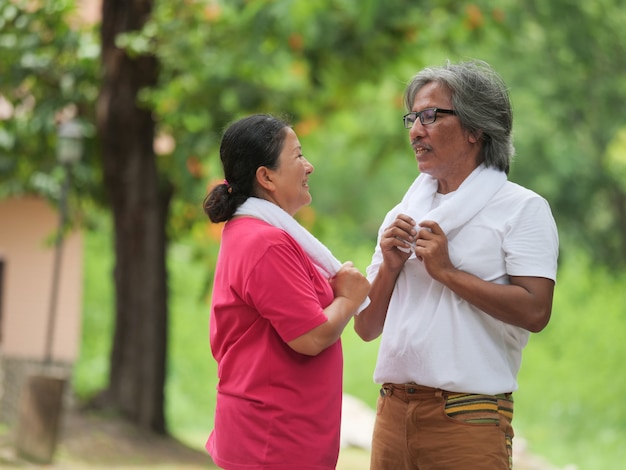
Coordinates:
337 69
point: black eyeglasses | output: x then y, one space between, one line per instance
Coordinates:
426 116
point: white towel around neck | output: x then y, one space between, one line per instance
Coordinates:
322 258
475 191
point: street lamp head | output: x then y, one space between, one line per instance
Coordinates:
70 142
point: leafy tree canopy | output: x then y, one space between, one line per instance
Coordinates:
338 68
48 74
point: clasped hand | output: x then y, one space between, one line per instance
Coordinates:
350 283
427 240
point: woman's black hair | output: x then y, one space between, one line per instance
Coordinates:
247 144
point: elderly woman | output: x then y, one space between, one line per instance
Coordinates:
280 303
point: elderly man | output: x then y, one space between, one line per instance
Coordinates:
463 271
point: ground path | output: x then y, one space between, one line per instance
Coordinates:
90 441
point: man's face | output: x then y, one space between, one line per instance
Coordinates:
443 149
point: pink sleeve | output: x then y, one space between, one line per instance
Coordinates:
286 289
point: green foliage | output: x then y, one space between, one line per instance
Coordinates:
338 69
92 369
191 369
47 74
567 86
572 376
317 62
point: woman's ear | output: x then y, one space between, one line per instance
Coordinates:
264 178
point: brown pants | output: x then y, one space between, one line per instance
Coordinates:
422 428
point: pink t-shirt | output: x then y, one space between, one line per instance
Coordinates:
276 408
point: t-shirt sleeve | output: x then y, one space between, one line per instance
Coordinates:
531 243
282 288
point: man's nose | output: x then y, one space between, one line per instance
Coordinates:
416 130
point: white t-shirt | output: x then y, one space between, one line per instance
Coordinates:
431 336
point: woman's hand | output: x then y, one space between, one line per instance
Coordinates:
350 288
350 283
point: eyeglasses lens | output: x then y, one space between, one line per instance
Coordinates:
428 116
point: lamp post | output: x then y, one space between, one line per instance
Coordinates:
69 152
41 402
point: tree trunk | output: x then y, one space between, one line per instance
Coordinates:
140 207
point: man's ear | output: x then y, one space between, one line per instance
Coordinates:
475 137
264 178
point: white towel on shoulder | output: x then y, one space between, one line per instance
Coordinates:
322 258
475 191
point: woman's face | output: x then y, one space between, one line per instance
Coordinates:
290 189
